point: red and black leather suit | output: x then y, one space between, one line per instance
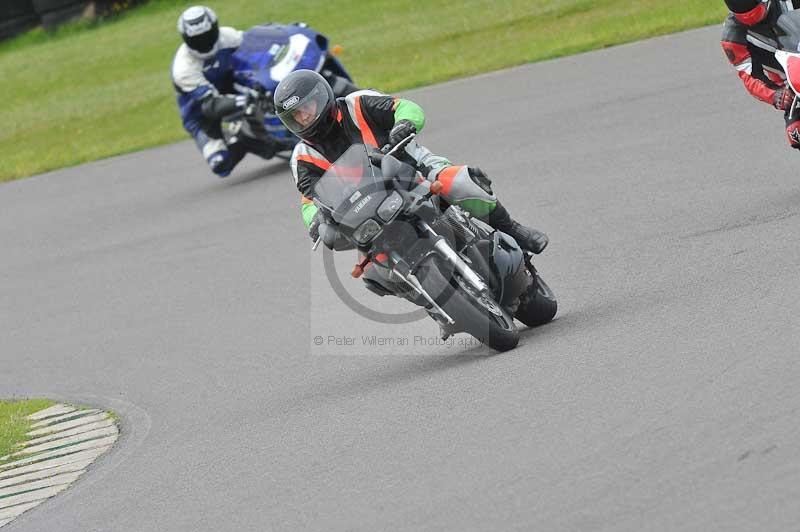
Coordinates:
748 39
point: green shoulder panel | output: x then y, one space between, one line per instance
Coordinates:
408 110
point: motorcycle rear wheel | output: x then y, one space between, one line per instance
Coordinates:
537 305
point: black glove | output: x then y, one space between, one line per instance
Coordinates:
266 103
401 130
783 99
218 107
313 229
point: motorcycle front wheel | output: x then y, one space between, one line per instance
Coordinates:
474 314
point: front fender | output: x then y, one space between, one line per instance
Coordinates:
509 263
506 254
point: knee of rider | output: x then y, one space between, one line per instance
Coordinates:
472 182
480 178
456 173
464 183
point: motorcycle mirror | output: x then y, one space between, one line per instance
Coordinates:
391 166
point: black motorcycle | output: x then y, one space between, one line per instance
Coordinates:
468 277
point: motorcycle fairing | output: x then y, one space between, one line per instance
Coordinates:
790 61
509 264
269 52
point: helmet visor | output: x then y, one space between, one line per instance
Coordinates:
203 42
301 114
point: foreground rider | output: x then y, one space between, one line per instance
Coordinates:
328 126
748 38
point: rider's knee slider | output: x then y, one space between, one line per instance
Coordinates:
480 178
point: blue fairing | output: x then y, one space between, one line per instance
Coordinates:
271 51
264 46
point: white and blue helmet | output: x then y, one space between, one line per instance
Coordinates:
199 29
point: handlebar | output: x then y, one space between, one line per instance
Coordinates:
390 150
376 157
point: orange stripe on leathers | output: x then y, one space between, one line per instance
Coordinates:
319 163
446 178
366 132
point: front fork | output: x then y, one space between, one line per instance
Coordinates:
792 108
411 280
449 254
443 250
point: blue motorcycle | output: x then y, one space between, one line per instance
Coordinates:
268 53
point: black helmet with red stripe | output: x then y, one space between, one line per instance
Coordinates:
748 12
305 103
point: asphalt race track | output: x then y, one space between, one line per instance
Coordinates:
664 397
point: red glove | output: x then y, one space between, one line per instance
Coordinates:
783 99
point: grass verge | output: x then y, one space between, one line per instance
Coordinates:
13 422
94 90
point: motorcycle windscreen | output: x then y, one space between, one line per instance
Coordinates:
791 66
352 187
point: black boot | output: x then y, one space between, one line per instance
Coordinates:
527 238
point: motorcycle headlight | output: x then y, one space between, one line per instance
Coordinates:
390 206
366 232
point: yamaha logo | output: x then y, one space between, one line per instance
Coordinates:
360 204
291 101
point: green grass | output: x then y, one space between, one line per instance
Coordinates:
13 424
94 90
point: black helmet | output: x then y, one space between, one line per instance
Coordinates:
748 12
200 31
305 104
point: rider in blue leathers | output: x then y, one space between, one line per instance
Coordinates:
207 77
203 78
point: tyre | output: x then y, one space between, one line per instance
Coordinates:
47 6
537 305
53 19
12 9
478 316
15 26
